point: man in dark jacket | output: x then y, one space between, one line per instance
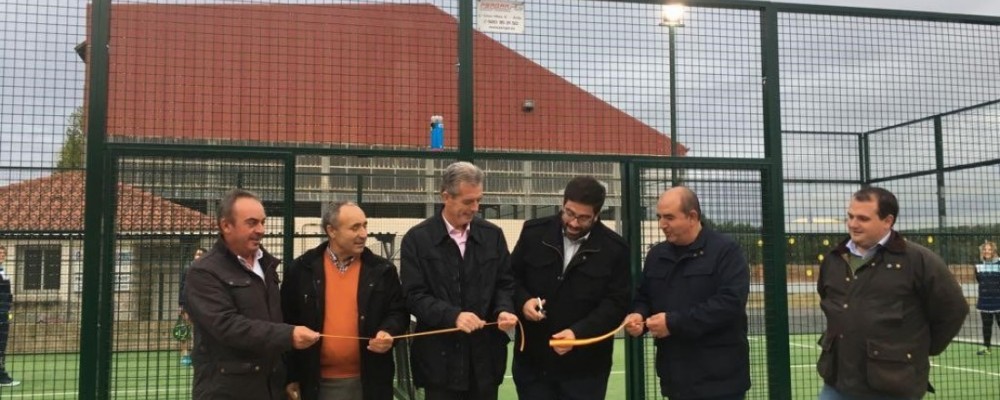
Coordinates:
185 343
6 302
693 299
232 299
455 270
572 282
342 289
889 305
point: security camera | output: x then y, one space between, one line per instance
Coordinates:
528 106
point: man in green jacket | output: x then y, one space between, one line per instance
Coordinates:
889 303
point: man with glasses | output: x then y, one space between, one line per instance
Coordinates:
572 281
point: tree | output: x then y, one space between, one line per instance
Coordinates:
73 154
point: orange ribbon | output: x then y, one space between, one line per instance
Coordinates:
425 333
583 342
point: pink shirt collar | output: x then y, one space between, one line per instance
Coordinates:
459 236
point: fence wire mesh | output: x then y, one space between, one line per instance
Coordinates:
347 90
904 104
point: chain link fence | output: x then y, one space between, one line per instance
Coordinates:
123 122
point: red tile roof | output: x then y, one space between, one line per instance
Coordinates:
56 202
353 75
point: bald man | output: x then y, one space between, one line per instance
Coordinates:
692 300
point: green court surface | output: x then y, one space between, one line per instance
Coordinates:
957 374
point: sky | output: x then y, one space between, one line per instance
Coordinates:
827 76
973 7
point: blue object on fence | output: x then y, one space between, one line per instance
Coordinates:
437 132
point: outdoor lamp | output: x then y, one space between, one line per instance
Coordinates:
673 15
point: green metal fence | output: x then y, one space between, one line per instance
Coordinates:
122 122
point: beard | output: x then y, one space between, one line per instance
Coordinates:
574 235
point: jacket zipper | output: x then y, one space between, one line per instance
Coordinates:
267 291
562 271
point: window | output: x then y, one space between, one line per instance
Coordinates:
42 267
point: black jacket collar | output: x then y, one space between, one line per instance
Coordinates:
439 231
698 244
314 257
554 234
267 261
896 244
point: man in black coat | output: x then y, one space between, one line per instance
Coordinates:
572 282
455 270
317 293
6 302
692 300
233 301
185 343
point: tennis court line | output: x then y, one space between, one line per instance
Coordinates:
126 392
965 369
790 343
936 365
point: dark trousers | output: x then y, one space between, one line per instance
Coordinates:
4 332
534 386
740 396
988 319
564 389
476 394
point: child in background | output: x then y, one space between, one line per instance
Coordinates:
988 276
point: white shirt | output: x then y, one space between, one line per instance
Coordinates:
256 263
3 272
570 247
853 247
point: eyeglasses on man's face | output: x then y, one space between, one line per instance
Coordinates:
582 219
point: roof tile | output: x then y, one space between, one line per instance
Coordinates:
354 75
56 203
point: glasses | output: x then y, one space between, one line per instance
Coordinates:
580 219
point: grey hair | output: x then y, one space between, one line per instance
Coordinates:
333 212
458 173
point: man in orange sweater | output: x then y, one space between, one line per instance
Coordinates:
344 290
